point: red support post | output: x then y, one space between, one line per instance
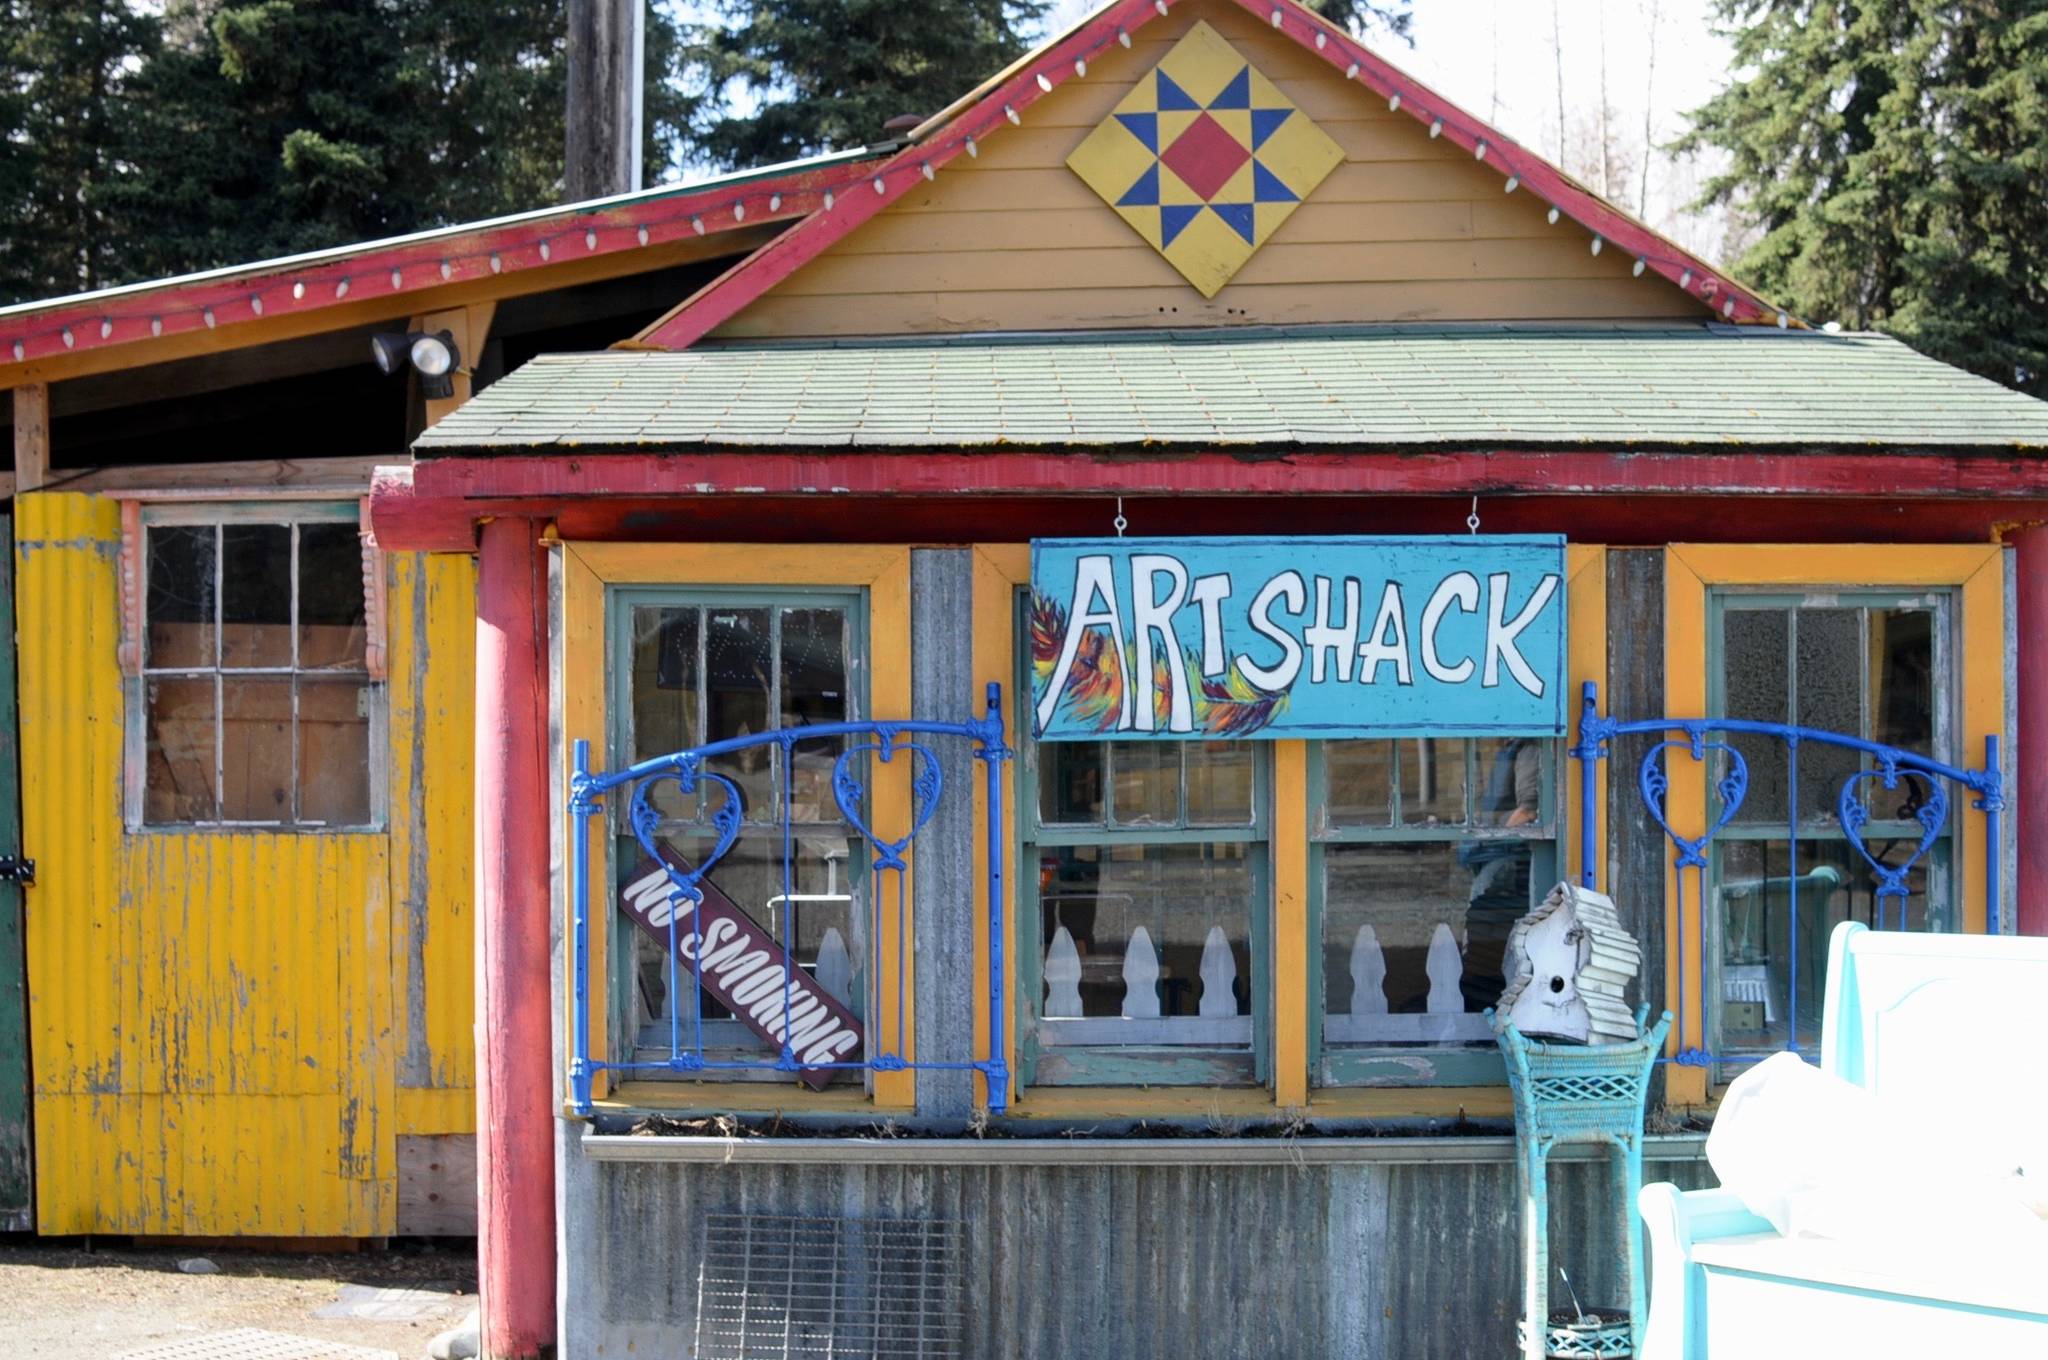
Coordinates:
515 1164
2030 784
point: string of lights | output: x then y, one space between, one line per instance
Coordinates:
719 208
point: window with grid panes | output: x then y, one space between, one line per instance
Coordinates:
1147 913
1426 852
702 666
1866 663
256 705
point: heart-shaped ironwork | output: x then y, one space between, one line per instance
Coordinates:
646 819
1932 815
1732 788
925 787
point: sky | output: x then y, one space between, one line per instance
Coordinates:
1499 60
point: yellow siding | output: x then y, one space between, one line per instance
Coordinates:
1405 229
213 1015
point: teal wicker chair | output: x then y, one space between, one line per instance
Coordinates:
1576 1093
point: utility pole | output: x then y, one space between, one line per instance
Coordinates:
605 71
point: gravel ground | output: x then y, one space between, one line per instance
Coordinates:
61 1302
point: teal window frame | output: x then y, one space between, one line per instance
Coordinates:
619 604
1944 907
1392 1064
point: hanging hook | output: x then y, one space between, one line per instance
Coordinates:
1120 522
1472 520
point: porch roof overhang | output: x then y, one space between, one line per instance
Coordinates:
1537 410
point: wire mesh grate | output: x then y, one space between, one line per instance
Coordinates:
839 1288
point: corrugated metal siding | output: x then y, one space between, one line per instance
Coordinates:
432 632
213 1014
1140 1263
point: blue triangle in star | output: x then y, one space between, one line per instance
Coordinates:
1145 193
1236 216
1173 218
1143 126
1267 188
1265 122
1172 96
1237 94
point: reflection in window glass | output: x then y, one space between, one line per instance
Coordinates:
332 619
1138 921
180 599
1831 884
256 595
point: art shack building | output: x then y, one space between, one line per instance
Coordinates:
1359 526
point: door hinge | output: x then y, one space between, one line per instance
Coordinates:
22 871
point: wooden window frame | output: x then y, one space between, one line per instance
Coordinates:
583 576
141 512
1692 572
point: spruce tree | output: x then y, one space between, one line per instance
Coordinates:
1892 153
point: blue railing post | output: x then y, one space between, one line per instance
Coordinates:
1587 752
1992 801
997 1070
579 900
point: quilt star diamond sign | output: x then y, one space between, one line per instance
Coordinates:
1205 158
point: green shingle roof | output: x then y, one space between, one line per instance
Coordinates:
1344 388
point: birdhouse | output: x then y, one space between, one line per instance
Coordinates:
1568 964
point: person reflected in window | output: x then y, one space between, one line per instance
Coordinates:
1500 868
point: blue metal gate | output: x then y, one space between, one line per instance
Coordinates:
884 742
1886 766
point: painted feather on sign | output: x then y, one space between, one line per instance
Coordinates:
1224 706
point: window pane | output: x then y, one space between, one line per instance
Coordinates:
334 751
1902 678
1360 778
1830 657
1070 782
828 933
1756 896
739 666
814 691
178 727
1147 782
256 750
664 699
1509 773
331 609
1099 897
1756 671
1418 928
1219 777
180 603
1432 781
256 595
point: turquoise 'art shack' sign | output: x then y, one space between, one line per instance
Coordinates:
1297 637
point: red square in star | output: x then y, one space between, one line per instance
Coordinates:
1205 156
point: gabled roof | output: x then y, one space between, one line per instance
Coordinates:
1003 100
1609 387
402 268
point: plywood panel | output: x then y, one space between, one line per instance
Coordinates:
1406 229
437 1185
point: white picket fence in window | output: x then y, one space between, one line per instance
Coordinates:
1216 1023
1443 1018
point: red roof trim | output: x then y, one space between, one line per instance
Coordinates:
1047 69
136 316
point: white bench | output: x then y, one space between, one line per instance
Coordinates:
1951 1022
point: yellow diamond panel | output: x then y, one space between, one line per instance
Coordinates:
1205 158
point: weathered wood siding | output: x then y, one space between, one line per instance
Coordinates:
218 1019
1406 229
